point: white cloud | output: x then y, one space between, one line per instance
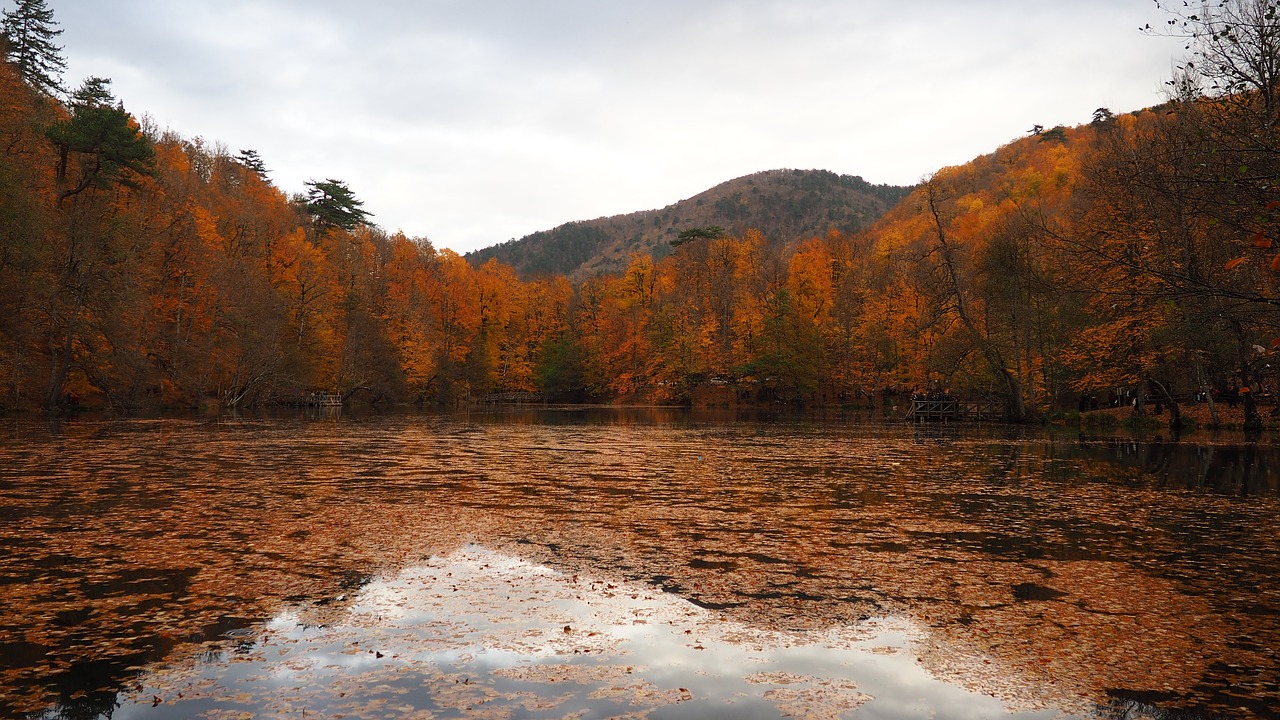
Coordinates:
472 122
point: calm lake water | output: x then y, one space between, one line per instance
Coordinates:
639 563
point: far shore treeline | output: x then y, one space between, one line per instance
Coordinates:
142 270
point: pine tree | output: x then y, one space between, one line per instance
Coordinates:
105 136
333 204
252 161
29 31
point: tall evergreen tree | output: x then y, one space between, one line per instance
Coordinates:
29 31
252 161
107 139
332 203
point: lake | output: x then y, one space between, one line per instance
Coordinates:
647 563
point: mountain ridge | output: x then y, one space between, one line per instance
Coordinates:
786 205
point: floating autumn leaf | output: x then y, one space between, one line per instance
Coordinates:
1275 263
1261 240
737 532
1233 264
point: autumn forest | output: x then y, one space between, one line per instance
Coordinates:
140 269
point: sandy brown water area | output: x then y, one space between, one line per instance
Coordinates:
631 564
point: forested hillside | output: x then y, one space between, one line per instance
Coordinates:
141 269
786 206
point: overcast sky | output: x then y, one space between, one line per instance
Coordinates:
471 122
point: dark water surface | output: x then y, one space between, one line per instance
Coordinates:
648 563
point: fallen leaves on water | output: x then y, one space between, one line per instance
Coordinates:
126 546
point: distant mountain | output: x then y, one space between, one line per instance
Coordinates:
785 205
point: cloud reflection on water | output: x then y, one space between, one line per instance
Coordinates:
483 634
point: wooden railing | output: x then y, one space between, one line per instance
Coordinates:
951 409
513 398
322 399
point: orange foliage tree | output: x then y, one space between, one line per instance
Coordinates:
141 269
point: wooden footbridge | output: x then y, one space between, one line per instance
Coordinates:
952 410
322 399
513 398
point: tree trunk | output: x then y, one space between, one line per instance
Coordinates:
1208 395
61 361
1012 388
1175 413
58 374
1252 420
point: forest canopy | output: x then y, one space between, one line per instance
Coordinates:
141 269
